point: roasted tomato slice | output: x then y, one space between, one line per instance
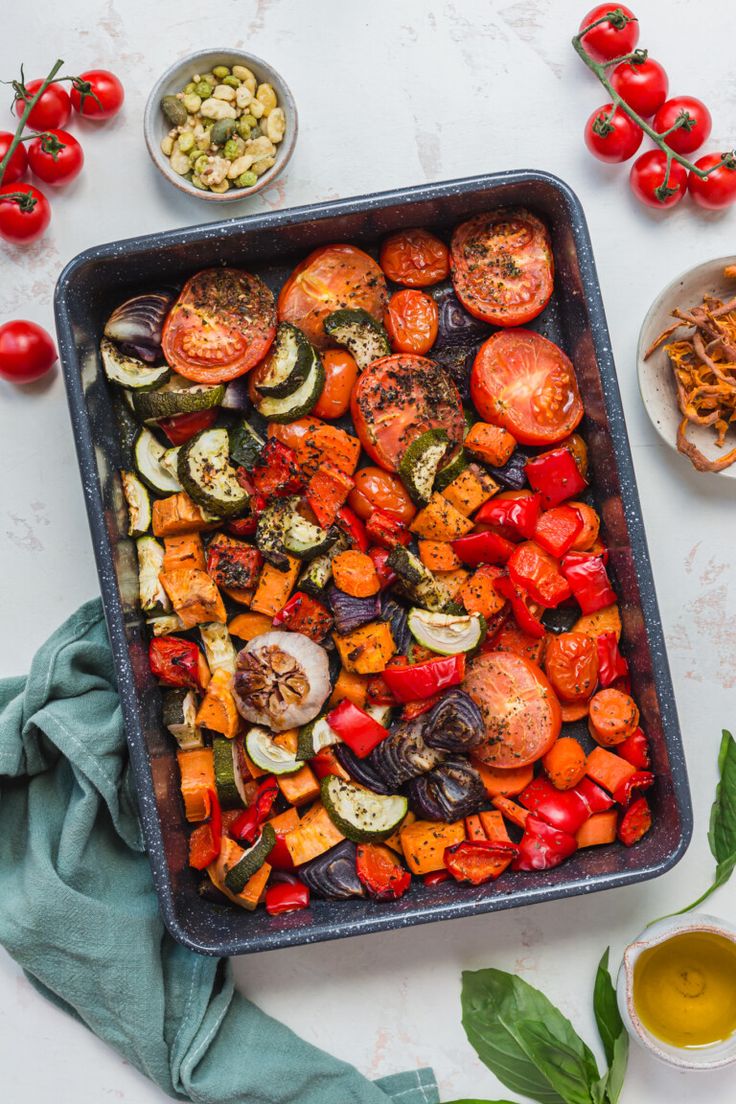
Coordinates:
397 399
526 384
519 707
332 277
502 266
221 325
415 258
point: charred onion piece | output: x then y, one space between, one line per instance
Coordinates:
136 325
455 723
452 791
333 875
404 754
281 680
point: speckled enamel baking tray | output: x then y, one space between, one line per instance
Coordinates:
95 281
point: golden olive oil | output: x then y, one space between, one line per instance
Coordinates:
685 989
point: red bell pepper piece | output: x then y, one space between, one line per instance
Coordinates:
381 872
611 664
543 847
520 603
414 709
304 614
594 796
632 786
422 680
183 426
279 857
248 823
635 823
175 661
479 861
482 548
555 475
563 809
436 877
537 573
557 530
205 841
385 529
353 528
234 565
285 897
324 763
356 728
635 750
588 579
326 492
277 474
380 561
519 515
377 692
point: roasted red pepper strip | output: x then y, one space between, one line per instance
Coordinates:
414 709
557 530
538 574
284 897
277 473
588 579
233 564
183 426
386 530
519 601
517 514
635 750
630 788
356 728
482 548
378 693
304 614
436 877
543 847
563 809
635 823
248 824
479 861
380 561
174 661
353 528
594 796
205 841
611 664
422 680
555 475
381 872
325 762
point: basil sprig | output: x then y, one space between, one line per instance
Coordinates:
533 1049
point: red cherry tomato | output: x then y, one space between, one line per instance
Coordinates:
612 137
642 85
411 321
415 258
105 86
341 372
26 351
58 168
52 110
698 126
718 189
648 177
23 225
607 40
376 489
18 163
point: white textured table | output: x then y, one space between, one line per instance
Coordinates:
390 93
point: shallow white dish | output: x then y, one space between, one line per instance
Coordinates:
656 382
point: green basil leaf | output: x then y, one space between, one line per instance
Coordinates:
605 1006
494 1003
617 1070
570 1069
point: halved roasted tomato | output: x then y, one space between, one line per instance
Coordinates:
397 399
221 325
502 267
332 277
526 384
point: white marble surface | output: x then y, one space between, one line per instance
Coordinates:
394 92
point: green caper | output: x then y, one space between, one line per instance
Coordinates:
203 89
221 71
222 130
246 180
189 88
201 163
232 82
243 128
174 110
232 149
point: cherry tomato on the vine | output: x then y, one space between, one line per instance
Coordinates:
612 137
411 321
52 110
18 163
718 189
697 128
642 85
108 90
58 168
341 372
607 41
23 225
26 351
648 174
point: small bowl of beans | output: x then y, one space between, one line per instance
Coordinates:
220 124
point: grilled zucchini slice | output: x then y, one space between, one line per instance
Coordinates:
148 454
299 402
287 364
356 330
128 371
139 504
208 476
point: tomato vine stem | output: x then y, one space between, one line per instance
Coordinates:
30 104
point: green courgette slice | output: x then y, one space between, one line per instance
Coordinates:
269 756
148 454
419 464
164 624
246 445
300 402
356 330
451 471
315 736
446 633
360 814
417 581
287 364
208 476
139 504
251 861
176 397
179 712
228 779
128 371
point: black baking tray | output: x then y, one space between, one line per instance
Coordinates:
269 244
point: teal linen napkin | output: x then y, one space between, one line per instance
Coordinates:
79 913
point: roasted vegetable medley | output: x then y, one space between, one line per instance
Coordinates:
379 603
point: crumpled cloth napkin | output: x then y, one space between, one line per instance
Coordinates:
79 913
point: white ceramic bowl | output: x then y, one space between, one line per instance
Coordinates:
656 382
156 127
701 1058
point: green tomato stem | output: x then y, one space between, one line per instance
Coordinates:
24 117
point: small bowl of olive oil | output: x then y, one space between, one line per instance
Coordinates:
677 991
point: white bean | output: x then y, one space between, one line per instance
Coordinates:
179 161
243 96
167 145
276 125
218 109
240 165
265 163
267 97
224 92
